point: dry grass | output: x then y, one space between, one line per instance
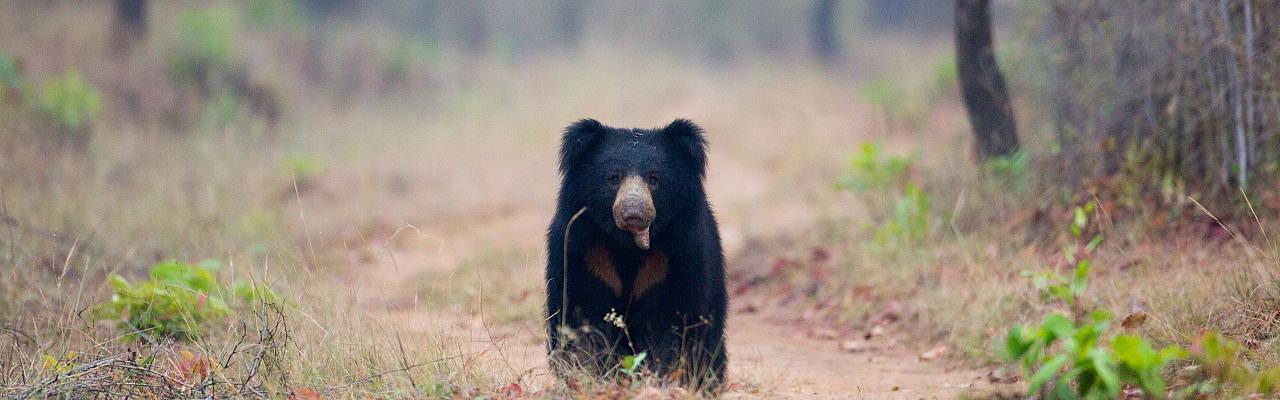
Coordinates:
480 154
411 259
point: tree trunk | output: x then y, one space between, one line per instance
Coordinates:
130 24
985 96
825 43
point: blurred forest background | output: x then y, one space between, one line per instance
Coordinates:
275 198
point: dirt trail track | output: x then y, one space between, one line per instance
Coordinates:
770 356
797 367
485 251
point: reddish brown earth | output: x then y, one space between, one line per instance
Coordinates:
773 354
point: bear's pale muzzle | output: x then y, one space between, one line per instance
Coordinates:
633 209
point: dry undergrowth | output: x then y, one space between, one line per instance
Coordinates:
144 192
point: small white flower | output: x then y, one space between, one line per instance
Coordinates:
615 319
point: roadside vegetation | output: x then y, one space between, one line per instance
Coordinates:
271 200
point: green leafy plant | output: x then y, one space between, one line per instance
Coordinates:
1010 171
59 365
1223 370
945 75
1070 357
1142 364
203 42
631 363
871 169
175 302
1068 289
301 165
911 218
1054 286
1067 360
274 14
68 101
253 293
10 76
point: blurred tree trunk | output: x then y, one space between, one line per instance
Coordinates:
326 8
130 23
475 27
825 43
985 96
569 24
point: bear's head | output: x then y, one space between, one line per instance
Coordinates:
633 182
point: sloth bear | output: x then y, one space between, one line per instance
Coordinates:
634 260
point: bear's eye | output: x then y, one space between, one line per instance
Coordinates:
651 179
615 179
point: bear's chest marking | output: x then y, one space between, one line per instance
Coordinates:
652 271
601 265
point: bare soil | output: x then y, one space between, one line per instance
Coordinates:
773 354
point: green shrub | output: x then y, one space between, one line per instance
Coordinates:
1223 370
68 102
176 302
269 14
10 77
303 169
1010 171
945 75
203 43
1067 361
911 218
250 294
302 165
1068 290
871 169
1070 357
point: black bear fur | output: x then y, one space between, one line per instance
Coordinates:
671 297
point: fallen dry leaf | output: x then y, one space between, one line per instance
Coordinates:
934 353
511 391
1134 321
855 346
304 394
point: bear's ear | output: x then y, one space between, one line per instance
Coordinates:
578 139
689 140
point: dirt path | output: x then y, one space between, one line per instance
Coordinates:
771 357
765 349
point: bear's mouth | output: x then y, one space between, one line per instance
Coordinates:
641 237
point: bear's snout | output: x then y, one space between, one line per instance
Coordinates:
633 209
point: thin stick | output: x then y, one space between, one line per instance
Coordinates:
5 220
387 244
1258 220
404 363
564 271
302 215
1224 227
